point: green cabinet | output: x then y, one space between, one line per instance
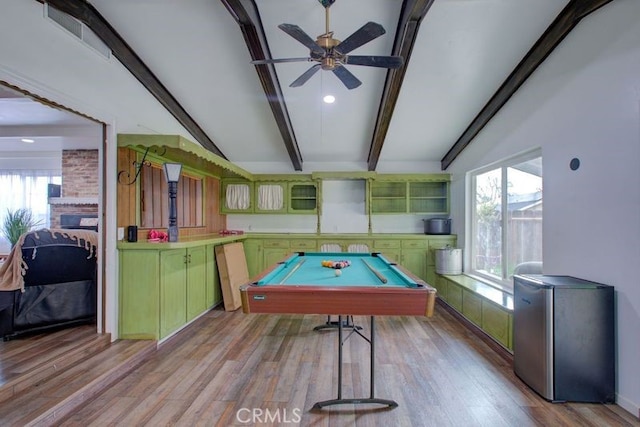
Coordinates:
161 290
213 290
270 197
390 249
173 295
464 296
414 257
236 197
397 194
303 198
497 323
139 294
196 281
275 250
253 253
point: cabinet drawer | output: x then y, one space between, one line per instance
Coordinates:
276 243
472 307
303 245
386 244
415 244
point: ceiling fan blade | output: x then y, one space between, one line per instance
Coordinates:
276 61
305 76
348 79
298 34
374 61
365 34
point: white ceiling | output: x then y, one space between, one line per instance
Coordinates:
464 51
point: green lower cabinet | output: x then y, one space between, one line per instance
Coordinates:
213 290
273 256
196 281
173 295
139 294
497 323
254 256
442 287
415 260
472 307
455 295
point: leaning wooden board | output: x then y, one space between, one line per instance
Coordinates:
232 266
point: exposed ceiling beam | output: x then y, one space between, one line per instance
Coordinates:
251 26
562 25
88 15
412 13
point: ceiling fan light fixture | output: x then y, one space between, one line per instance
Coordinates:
329 99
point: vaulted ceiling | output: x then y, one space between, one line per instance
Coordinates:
463 59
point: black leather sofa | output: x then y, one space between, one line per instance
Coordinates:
59 283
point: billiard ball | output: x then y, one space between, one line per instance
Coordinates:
338 272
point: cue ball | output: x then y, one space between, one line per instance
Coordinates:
338 272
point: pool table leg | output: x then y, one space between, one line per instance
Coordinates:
371 399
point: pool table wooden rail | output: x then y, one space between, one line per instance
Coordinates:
360 300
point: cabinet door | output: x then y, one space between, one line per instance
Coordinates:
497 323
214 292
390 249
236 197
442 286
303 198
173 290
274 255
254 256
196 281
454 295
139 294
472 307
270 197
415 260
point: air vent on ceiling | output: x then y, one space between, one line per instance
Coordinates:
78 29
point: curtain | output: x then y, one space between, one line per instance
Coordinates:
270 197
238 196
25 189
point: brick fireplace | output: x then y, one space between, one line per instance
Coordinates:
80 183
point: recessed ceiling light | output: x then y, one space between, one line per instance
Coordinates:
329 99
27 140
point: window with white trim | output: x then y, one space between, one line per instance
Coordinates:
506 219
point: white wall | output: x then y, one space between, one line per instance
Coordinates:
583 102
38 56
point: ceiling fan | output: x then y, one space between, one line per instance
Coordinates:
331 54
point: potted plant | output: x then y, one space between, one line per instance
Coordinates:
17 223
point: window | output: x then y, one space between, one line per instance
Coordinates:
26 189
506 218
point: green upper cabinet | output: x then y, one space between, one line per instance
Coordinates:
237 197
402 194
270 197
270 194
303 197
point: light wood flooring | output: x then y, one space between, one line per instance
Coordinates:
236 369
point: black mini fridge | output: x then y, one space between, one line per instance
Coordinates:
564 337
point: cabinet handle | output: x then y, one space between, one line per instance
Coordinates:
189 258
185 259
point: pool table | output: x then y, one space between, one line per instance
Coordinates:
370 285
